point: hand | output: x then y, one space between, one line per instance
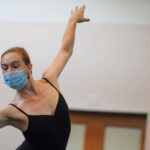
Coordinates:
78 15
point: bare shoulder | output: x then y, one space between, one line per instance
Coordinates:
10 116
8 112
53 80
5 111
5 114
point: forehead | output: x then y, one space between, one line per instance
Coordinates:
10 57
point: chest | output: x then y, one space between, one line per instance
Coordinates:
42 104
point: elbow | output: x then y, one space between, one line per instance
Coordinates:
67 50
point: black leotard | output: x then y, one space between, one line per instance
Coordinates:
47 132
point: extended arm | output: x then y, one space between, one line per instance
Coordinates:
4 116
69 35
66 50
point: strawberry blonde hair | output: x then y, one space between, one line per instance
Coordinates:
18 50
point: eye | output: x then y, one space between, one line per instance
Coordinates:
15 66
4 67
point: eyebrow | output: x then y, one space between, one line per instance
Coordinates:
12 62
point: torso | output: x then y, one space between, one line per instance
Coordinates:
43 104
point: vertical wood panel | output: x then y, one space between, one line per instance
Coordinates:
94 136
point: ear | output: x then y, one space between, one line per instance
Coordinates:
30 68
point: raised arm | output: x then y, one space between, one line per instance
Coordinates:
66 50
69 35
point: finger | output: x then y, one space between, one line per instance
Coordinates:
71 12
82 11
82 8
86 19
76 8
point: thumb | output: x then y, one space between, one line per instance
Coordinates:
86 19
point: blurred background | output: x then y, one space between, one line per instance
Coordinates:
106 82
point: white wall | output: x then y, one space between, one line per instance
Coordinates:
109 69
100 11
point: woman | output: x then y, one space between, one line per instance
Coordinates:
39 109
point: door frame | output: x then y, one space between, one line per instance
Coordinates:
96 122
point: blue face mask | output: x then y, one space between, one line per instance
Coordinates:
15 79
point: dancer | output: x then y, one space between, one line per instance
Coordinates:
38 108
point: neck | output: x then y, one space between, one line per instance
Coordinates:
30 89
